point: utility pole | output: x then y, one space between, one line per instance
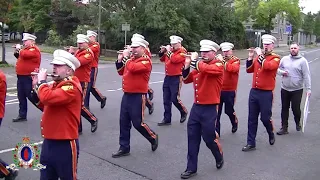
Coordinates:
99 28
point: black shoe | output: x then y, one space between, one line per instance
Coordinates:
298 127
120 153
150 96
94 126
248 148
103 102
164 123
154 146
234 128
187 174
19 119
282 131
220 164
12 176
183 117
151 109
272 139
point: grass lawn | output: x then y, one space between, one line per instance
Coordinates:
3 65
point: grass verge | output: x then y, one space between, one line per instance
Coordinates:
4 65
47 49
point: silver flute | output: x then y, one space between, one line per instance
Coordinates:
51 75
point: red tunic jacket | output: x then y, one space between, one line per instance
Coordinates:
61 104
86 58
264 76
174 61
136 74
3 92
231 74
95 48
207 81
28 60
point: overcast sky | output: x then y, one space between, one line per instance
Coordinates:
310 5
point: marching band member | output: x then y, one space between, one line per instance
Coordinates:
295 73
264 68
207 78
62 98
29 58
135 72
95 48
86 57
149 104
4 172
174 59
229 87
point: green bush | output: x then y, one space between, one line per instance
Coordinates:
54 39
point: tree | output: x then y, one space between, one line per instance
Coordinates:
308 24
5 6
263 12
316 30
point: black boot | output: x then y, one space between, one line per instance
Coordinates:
154 146
94 126
164 123
234 128
12 175
120 153
220 163
19 119
272 139
187 174
248 148
103 102
183 117
283 131
298 127
151 109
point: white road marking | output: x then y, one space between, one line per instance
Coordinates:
157 72
11 100
12 149
313 60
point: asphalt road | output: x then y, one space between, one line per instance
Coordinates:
293 157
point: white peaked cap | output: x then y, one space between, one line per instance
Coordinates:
27 36
91 33
138 36
226 46
62 57
135 42
268 39
208 45
175 39
81 38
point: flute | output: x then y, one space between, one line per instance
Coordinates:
51 75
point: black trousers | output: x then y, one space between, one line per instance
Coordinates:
293 98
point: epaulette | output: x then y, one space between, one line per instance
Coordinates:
145 56
66 79
67 86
